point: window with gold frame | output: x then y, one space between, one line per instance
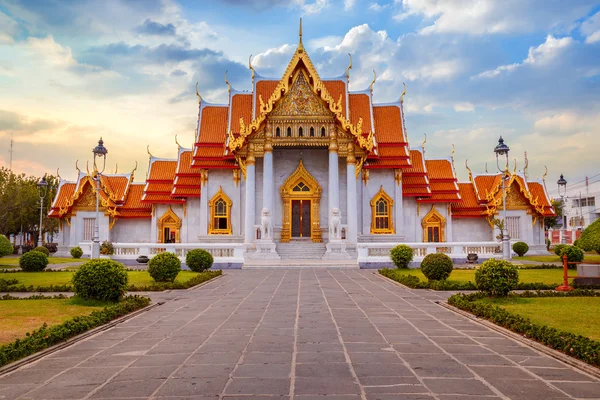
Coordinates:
434 225
220 214
381 213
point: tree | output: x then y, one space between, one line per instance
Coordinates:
552 222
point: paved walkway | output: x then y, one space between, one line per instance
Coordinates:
303 335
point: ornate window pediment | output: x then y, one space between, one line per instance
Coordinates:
300 100
381 213
169 227
220 214
434 226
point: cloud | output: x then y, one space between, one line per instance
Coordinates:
24 125
307 6
464 107
349 4
478 17
178 72
9 29
591 29
378 7
150 27
568 122
56 55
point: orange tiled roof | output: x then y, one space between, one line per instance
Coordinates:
468 206
160 182
485 184
417 165
415 191
161 198
184 164
155 187
264 89
213 126
214 163
117 185
360 106
65 192
183 181
415 181
133 207
209 152
241 106
336 89
437 186
185 192
538 192
162 170
388 125
440 170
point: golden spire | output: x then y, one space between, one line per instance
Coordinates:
251 68
134 168
148 150
228 84
403 93
177 143
349 68
87 167
116 168
526 166
57 174
424 141
452 158
198 94
373 81
486 170
77 168
515 167
300 45
544 176
469 169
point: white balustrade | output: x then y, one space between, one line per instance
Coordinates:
380 252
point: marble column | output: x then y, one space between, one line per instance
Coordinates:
268 178
249 206
204 202
352 204
334 178
265 247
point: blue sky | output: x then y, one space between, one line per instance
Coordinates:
74 70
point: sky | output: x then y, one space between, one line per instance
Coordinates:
72 71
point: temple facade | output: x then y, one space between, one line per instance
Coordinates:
301 160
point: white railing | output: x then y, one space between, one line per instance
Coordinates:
221 252
380 252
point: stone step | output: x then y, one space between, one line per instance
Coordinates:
301 250
300 264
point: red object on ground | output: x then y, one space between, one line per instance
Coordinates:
565 286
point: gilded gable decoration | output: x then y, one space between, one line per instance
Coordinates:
300 101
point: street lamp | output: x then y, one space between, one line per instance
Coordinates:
562 192
99 152
43 189
502 150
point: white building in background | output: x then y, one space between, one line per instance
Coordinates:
302 168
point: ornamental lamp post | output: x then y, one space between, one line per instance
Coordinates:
42 189
502 150
99 152
562 192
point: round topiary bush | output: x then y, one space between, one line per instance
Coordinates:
590 238
199 260
520 248
101 279
33 261
42 249
574 254
76 252
401 255
164 267
6 248
559 248
497 277
436 266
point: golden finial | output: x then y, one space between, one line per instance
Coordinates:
134 168
424 141
57 174
373 81
87 167
77 167
177 143
452 152
300 45
227 82
526 166
486 170
116 168
452 158
403 93
198 94
349 68
515 167
469 169
251 68
148 150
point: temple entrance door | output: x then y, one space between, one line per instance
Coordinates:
301 226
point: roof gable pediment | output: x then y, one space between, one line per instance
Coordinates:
300 101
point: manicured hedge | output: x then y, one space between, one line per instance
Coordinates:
436 266
590 237
33 261
43 249
6 247
401 255
577 346
199 260
48 336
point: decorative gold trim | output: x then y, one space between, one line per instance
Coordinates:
365 176
111 223
236 177
381 194
211 228
203 177
314 195
398 176
169 220
433 219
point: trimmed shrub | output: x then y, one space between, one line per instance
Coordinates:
401 255
42 249
436 266
76 252
520 248
6 247
107 248
33 261
164 267
101 279
590 238
199 260
574 254
52 247
497 277
559 248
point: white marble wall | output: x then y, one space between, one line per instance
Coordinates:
377 178
193 219
223 179
472 230
131 231
76 231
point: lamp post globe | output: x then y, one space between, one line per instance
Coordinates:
42 189
562 192
99 153
502 150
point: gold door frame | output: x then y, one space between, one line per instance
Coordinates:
169 220
314 194
434 219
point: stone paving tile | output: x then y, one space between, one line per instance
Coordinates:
313 334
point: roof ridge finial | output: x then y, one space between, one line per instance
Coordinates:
423 144
515 167
198 94
77 168
486 170
526 166
349 68
469 169
373 81
227 82
148 150
134 168
251 68
300 45
57 174
116 168
403 93
177 143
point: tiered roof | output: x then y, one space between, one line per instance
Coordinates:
160 181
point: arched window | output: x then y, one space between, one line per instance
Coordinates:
301 187
323 131
381 213
277 132
433 225
312 131
300 132
220 214
289 131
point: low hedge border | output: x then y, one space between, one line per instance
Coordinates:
48 336
154 287
35 297
414 282
580 347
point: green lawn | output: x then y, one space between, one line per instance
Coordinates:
13 262
137 278
548 276
554 258
22 316
577 315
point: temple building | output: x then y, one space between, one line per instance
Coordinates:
301 167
